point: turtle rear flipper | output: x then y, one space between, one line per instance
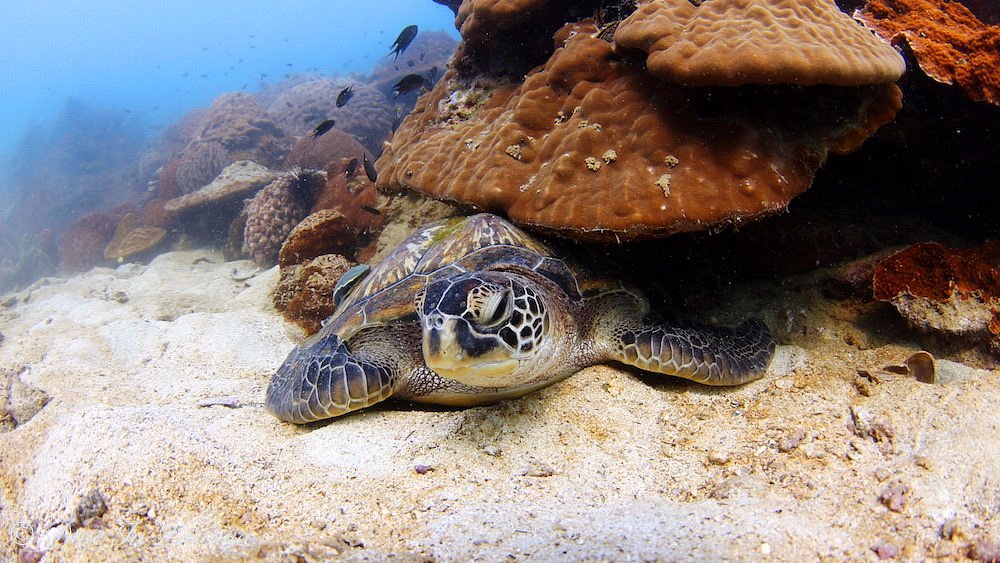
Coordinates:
705 354
324 379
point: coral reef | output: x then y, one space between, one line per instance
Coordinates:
207 213
950 44
199 164
82 245
85 161
591 146
319 152
950 290
276 209
737 42
324 232
132 239
304 294
34 259
239 179
366 116
242 126
428 50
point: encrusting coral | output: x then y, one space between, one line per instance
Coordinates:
944 289
589 145
951 45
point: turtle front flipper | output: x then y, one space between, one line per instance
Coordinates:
322 378
705 354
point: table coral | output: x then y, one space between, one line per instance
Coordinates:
736 42
944 289
951 45
521 148
132 239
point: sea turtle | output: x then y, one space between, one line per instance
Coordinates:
472 310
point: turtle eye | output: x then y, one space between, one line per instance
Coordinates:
495 310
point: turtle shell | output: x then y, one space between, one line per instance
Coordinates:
443 248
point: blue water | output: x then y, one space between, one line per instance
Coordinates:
135 67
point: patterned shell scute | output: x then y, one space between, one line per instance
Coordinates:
442 248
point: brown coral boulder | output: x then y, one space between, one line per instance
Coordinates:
324 232
199 164
737 42
367 116
304 294
238 122
593 147
319 152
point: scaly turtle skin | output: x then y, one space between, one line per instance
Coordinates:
471 310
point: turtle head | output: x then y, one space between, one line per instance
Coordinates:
483 328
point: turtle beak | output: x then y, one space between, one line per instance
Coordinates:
447 353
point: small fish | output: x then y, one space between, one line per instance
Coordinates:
370 209
345 96
369 168
409 83
323 127
432 74
403 41
352 166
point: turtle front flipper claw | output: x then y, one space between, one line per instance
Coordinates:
705 354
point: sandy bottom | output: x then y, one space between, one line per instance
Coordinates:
154 444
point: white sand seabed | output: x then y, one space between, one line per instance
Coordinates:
155 377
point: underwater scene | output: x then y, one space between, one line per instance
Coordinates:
606 280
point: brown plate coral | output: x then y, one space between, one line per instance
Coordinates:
590 145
